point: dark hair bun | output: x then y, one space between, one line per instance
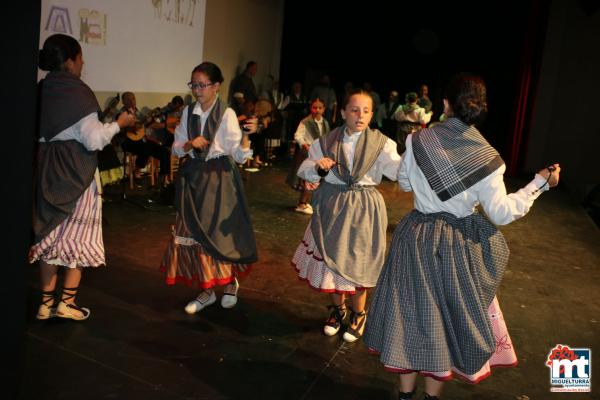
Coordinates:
44 61
467 96
57 49
471 111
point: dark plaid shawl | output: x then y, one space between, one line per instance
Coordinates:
369 146
453 157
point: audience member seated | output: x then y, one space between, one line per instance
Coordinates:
143 146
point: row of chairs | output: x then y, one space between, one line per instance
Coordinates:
152 168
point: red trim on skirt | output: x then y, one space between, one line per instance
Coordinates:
350 292
450 374
196 282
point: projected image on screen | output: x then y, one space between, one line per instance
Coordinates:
134 45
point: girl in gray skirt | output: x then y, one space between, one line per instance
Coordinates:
344 245
434 311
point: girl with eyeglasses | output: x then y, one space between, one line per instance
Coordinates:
213 242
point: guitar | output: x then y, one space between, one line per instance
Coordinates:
139 131
172 123
111 104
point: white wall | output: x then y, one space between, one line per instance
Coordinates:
145 48
238 31
154 57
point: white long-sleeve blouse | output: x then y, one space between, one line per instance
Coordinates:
89 131
387 163
500 207
227 140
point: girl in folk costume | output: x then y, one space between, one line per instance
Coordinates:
344 245
213 242
411 117
435 310
310 129
68 207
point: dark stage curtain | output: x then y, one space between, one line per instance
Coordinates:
20 44
531 57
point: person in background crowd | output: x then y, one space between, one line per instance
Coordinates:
244 83
294 108
424 101
238 103
139 141
325 92
411 118
385 115
310 129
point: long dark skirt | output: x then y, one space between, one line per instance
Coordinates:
430 307
211 202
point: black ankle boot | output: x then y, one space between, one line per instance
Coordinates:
406 395
430 397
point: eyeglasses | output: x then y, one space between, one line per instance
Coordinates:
195 86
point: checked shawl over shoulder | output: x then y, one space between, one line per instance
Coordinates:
453 157
368 147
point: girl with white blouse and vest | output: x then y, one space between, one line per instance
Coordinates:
68 207
310 129
343 248
435 311
411 117
213 242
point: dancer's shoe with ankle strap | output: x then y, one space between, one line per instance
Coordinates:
334 322
353 334
66 309
229 298
203 300
48 307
